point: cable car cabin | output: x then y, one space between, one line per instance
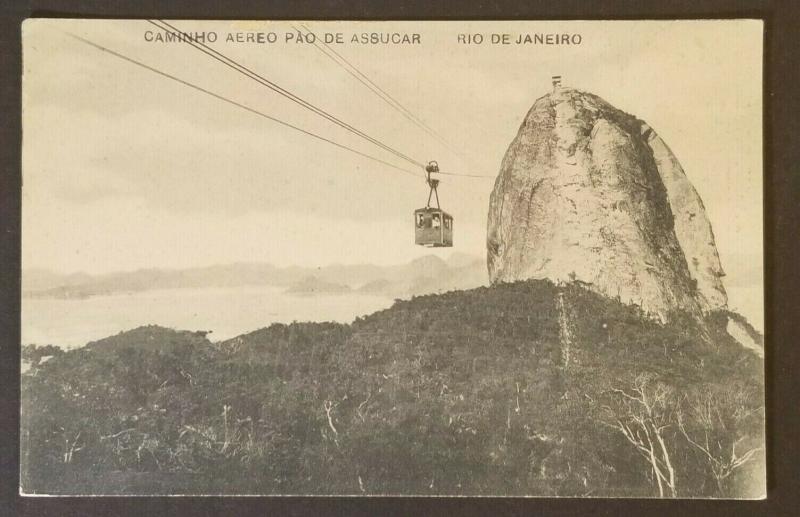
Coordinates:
433 228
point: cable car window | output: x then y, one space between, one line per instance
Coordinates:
420 220
447 223
437 222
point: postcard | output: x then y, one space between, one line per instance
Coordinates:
410 258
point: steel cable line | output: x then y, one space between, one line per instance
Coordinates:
354 71
238 104
231 63
466 175
187 38
386 97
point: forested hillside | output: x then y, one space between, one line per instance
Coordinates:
521 389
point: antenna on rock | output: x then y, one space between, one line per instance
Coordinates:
556 81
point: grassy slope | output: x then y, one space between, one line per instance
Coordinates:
469 392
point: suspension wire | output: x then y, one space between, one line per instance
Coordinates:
466 175
354 71
238 104
386 97
187 38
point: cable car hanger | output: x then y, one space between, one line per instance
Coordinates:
432 168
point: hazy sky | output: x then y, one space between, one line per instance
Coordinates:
124 169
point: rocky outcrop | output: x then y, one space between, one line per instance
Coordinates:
587 192
692 227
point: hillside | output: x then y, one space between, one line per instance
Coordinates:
527 388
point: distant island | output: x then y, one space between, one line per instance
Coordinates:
313 285
424 275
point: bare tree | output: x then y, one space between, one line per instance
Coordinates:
564 330
329 407
642 413
71 447
716 423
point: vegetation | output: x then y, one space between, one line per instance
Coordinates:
34 354
526 388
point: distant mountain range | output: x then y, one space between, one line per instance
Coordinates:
425 275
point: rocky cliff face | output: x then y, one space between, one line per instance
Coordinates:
587 192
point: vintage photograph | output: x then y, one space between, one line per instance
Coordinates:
414 258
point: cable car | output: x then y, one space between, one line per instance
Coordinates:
433 227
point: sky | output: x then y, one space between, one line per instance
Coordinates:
124 169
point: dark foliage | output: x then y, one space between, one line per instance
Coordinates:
469 392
